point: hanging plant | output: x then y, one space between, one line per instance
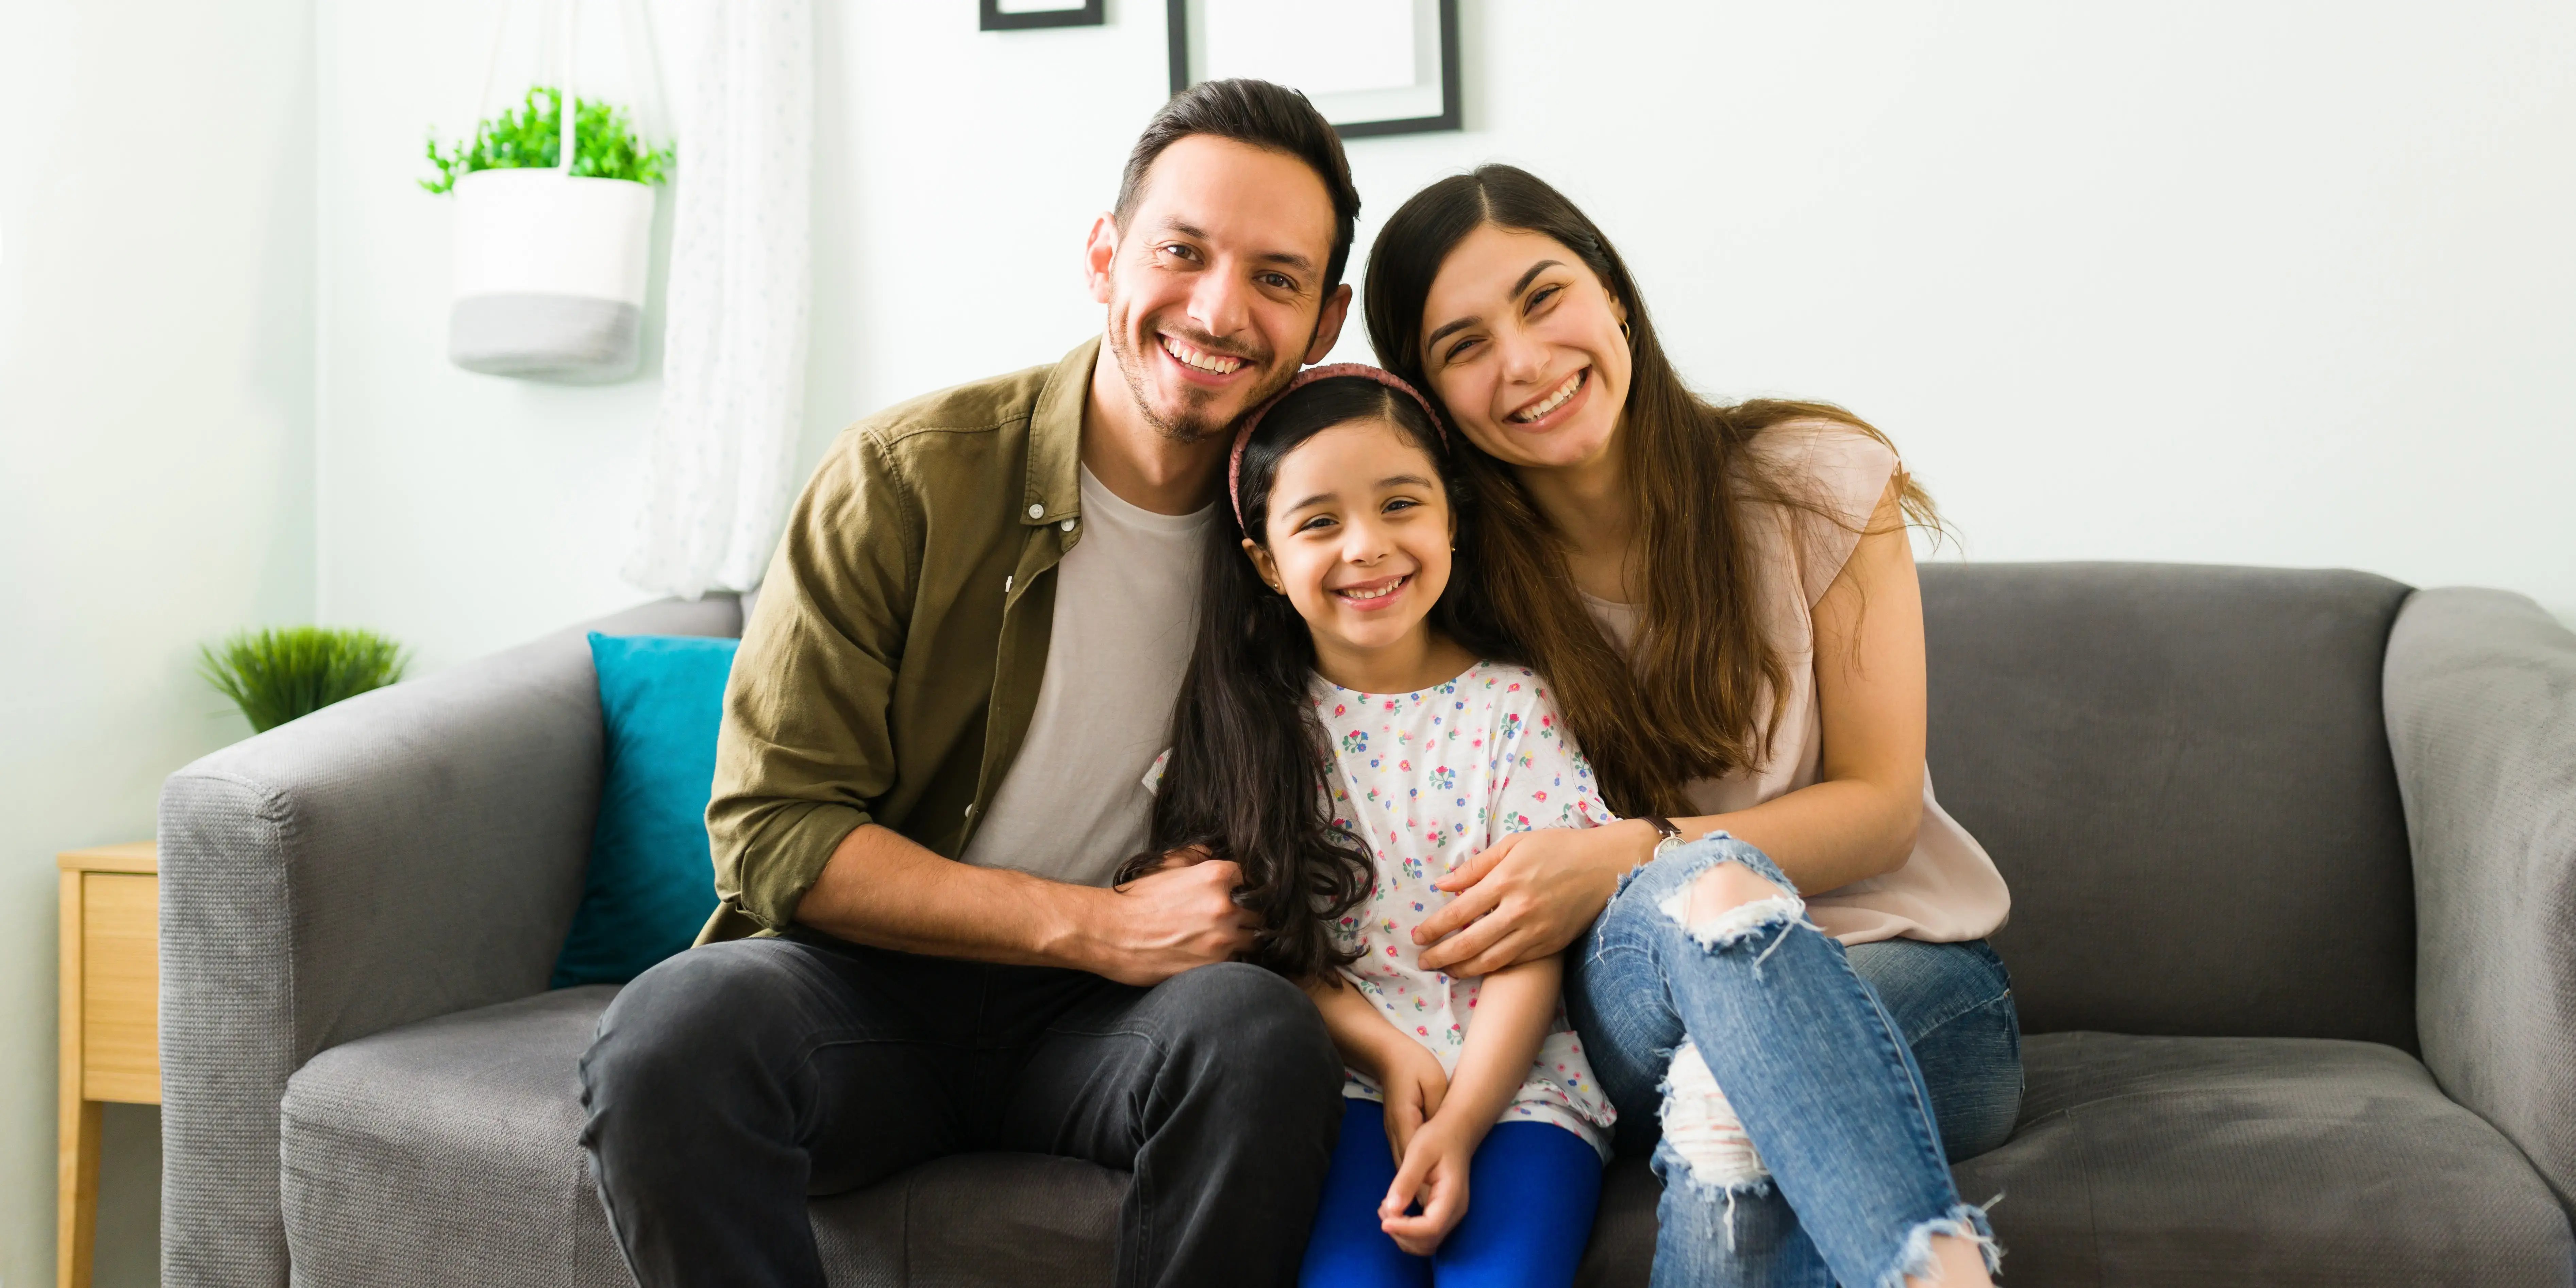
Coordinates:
554 218
531 137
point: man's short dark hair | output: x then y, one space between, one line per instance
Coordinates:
1265 116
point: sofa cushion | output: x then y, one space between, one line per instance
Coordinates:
456 1143
2258 1161
2184 776
650 882
2216 1161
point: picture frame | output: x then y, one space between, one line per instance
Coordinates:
1370 71
1087 13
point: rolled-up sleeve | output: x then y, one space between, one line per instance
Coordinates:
806 746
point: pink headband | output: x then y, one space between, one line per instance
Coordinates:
1243 436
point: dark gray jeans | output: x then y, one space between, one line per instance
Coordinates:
730 1083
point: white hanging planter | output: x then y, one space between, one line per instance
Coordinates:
550 274
551 264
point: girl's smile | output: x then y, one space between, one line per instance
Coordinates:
1374 595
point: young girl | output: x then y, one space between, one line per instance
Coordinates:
1348 734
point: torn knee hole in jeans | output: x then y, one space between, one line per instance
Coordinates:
1703 1127
1703 1131
1726 927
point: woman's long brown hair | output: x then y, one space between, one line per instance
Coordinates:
1703 688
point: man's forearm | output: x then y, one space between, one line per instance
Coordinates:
883 889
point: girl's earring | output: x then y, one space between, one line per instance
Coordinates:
1626 334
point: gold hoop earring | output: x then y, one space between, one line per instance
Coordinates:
1626 334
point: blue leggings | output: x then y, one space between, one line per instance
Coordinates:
1530 1195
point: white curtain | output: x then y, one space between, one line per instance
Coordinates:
717 479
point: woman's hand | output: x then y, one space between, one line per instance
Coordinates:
1414 1084
1529 895
1432 1173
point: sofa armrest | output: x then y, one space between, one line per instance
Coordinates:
410 852
2480 691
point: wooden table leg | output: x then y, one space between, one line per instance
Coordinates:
76 1211
76 1232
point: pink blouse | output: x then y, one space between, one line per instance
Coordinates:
1948 889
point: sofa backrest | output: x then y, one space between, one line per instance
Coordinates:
2184 775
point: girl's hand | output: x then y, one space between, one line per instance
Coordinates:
1414 1084
1529 895
1433 1173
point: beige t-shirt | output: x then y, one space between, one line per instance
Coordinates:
1073 807
1948 889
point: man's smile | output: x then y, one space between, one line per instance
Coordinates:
1199 363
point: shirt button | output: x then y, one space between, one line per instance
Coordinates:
1037 512
1068 525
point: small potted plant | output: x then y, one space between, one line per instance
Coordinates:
277 675
554 227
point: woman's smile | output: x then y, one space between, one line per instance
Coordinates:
1559 404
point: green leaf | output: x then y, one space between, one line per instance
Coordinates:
530 135
277 675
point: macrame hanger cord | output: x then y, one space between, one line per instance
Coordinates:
658 127
491 73
565 100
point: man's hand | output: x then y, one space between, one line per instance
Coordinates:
1528 896
1178 917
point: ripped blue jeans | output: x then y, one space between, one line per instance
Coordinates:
1820 1161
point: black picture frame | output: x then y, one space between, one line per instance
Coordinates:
1093 13
1450 117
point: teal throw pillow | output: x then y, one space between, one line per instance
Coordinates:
651 883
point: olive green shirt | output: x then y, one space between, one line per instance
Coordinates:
891 664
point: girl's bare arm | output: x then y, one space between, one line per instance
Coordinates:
1512 1015
1368 1041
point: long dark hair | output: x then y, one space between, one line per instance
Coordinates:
1248 775
1718 681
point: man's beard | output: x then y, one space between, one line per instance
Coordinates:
1192 425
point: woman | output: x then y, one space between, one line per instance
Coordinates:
1724 600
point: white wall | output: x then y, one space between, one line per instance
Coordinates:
2223 282
156 224
458 512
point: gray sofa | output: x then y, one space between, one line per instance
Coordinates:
2293 857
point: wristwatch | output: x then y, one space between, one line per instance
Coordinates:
1663 826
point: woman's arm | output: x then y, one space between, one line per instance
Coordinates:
1532 893
1512 1014
1858 819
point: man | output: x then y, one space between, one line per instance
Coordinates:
962 663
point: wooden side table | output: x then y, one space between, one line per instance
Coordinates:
111 1043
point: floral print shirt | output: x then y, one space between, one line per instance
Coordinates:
1430 779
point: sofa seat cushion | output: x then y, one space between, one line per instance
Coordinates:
456 1143
2258 1161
